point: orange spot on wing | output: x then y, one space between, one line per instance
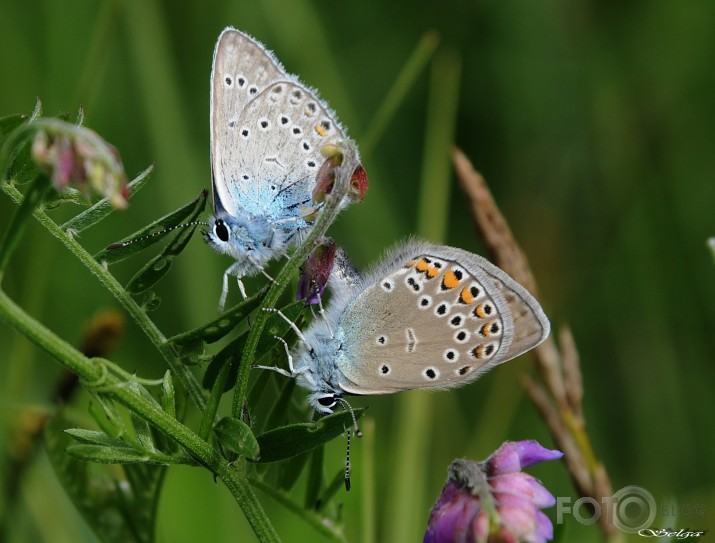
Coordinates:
422 265
485 330
466 296
478 352
432 272
450 280
320 129
410 264
482 311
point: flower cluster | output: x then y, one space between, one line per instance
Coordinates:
493 501
74 155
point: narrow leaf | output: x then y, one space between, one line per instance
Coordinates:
108 455
150 234
292 440
219 327
92 437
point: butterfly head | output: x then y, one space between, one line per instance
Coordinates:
243 238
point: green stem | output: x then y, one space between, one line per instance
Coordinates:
343 176
107 279
91 370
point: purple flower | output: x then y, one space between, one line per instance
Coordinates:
316 272
74 155
493 501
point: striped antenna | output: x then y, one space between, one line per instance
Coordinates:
347 465
121 244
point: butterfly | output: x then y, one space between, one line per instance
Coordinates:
267 133
426 316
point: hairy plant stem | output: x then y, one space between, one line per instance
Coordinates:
93 374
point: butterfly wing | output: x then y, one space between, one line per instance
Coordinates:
431 316
267 130
242 68
284 128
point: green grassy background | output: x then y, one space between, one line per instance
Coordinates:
592 123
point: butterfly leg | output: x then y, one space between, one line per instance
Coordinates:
224 292
293 371
290 322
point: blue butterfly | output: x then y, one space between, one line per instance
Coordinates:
267 133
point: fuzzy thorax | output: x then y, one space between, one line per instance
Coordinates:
252 241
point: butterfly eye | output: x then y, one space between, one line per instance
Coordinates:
221 230
328 401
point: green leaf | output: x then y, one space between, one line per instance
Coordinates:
93 437
151 234
236 436
109 455
119 510
219 327
292 440
103 208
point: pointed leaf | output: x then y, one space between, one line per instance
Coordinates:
151 234
236 436
219 327
292 440
92 437
109 455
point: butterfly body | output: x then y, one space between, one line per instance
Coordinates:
267 133
427 316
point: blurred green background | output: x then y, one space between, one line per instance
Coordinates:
591 121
